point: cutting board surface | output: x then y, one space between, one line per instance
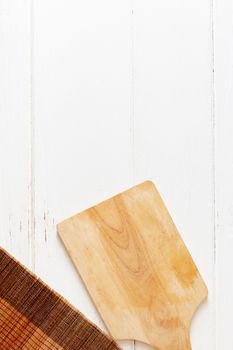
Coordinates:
136 268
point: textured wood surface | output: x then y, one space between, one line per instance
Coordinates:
136 268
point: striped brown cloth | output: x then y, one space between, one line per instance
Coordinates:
32 316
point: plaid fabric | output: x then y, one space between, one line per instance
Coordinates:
32 316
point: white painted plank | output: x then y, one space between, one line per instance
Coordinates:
224 170
15 128
82 124
173 129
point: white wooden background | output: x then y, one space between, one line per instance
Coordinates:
96 96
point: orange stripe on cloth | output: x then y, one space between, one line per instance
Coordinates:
30 311
17 332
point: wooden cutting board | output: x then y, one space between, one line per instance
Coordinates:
136 268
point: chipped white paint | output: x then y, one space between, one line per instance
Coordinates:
96 96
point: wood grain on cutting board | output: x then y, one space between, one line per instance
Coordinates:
136 267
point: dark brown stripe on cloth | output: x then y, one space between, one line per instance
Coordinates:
45 310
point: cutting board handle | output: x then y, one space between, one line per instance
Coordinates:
186 342
181 342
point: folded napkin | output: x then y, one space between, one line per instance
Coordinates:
33 317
